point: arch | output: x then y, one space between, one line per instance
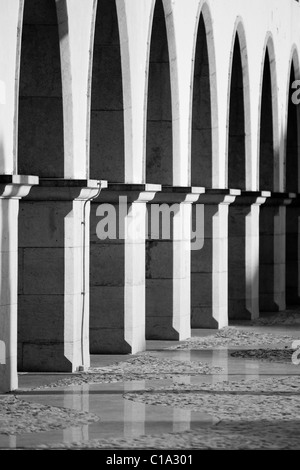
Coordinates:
238 155
41 134
204 106
292 147
107 109
268 131
159 136
292 166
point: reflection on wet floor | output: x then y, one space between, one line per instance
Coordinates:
118 417
123 418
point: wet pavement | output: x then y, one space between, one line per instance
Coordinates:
122 418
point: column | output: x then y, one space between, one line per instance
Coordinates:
12 188
243 255
54 276
118 224
168 264
210 264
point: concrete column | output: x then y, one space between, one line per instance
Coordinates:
272 256
243 255
76 21
135 20
210 264
54 276
168 264
118 223
10 45
12 188
182 25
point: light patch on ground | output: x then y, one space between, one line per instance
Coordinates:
142 367
18 416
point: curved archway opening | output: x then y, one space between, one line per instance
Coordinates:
40 135
107 161
107 109
271 232
201 156
236 179
266 142
292 185
292 140
236 132
159 152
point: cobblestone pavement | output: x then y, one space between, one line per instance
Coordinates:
253 414
18 416
144 366
235 337
283 356
234 436
287 318
275 399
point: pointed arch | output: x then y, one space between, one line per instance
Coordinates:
107 109
239 153
292 148
159 140
41 134
204 121
268 128
292 167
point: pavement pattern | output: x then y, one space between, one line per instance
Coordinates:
263 413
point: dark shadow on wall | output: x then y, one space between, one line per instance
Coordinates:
201 158
293 210
236 141
159 164
41 141
159 169
107 109
202 278
41 288
292 143
237 179
237 282
268 213
266 148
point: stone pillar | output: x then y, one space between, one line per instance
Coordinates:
12 189
272 253
168 265
135 19
118 223
243 255
210 264
293 253
54 276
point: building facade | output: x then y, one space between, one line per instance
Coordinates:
112 108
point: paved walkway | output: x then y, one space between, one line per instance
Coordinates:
236 388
